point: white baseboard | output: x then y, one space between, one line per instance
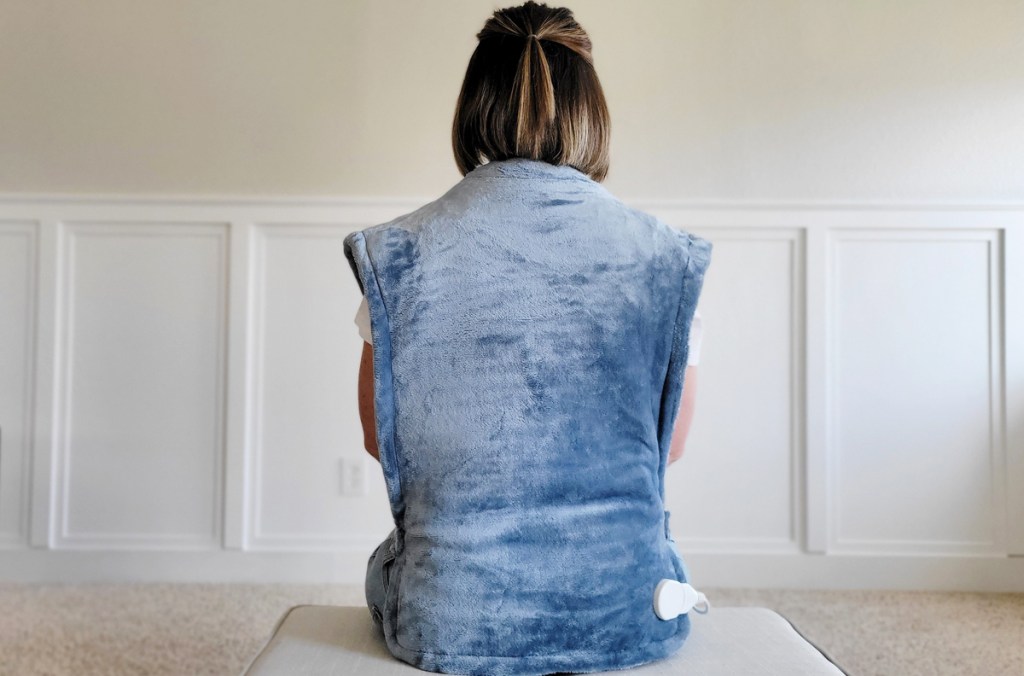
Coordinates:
766 571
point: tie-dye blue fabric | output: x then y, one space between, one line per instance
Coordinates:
529 335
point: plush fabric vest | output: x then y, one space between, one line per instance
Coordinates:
530 338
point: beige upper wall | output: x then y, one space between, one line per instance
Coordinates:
710 99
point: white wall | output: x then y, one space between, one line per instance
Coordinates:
168 411
710 99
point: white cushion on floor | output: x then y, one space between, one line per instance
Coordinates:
322 640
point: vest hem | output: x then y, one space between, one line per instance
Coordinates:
540 665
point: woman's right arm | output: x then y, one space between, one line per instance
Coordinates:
682 428
689 396
365 397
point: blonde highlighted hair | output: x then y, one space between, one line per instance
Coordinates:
531 91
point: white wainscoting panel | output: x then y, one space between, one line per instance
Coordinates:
916 406
141 410
738 484
18 244
1012 382
306 419
178 389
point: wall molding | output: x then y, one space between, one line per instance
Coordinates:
70 231
238 548
29 231
990 237
794 238
255 538
283 200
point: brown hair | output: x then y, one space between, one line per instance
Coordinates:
531 91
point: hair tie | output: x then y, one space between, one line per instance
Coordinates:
533 35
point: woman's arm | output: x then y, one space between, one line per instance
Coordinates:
366 415
682 428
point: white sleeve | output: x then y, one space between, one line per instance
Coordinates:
696 333
363 321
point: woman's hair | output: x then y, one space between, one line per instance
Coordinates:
531 91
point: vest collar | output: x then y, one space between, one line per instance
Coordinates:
523 167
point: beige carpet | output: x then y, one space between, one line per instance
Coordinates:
194 629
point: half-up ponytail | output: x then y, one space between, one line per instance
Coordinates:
536 96
531 91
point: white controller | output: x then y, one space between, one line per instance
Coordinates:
673 598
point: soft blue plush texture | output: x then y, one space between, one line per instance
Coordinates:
529 334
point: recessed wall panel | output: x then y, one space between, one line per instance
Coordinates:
142 400
734 486
912 365
17 335
306 374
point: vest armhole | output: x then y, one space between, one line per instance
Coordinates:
348 244
358 256
696 259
